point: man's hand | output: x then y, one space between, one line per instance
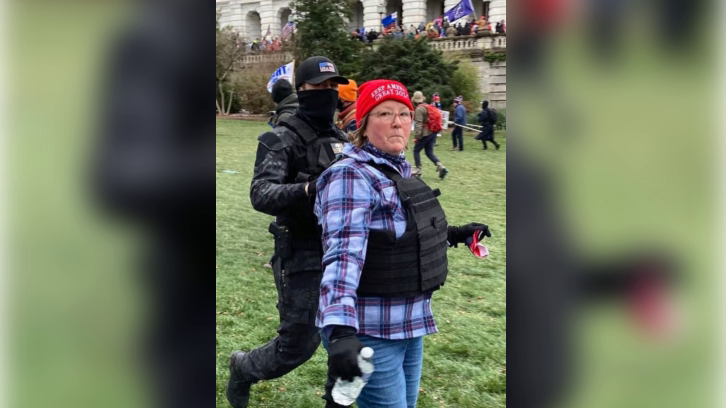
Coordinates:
311 189
344 349
458 235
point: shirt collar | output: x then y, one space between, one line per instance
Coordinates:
370 153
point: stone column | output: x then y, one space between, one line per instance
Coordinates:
371 18
414 12
497 11
268 17
231 15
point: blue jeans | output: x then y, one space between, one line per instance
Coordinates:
397 372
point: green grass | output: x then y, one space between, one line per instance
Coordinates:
464 364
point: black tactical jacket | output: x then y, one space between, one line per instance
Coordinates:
287 158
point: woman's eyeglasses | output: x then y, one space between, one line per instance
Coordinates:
388 116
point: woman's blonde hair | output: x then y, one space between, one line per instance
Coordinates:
357 137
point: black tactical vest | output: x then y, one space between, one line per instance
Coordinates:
416 262
312 155
316 153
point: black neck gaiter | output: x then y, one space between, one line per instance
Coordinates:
317 107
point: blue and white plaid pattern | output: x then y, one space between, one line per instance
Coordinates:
352 199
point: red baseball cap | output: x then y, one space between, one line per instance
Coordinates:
372 93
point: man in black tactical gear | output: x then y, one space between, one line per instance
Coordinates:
286 100
289 160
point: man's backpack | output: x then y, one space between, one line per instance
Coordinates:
493 117
433 118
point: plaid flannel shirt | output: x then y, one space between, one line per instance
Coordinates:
352 199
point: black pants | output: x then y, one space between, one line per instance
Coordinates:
457 135
297 337
484 142
487 135
427 143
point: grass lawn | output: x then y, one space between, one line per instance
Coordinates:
464 364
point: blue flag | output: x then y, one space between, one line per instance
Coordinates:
389 19
461 9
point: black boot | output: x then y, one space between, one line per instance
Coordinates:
238 390
496 145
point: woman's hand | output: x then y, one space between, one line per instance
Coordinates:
458 235
344 349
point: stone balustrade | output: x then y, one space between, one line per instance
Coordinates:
470 42
283 57
493 76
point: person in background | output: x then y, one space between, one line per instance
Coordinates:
285 99
474 28
482 23
289 159
461 29
382 259
436 101
347 96
372 35
487 118
424 138
411 31
451 31
457 135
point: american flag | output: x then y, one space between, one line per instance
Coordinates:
288 29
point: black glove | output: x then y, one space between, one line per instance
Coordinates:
312 189
343 356
458 235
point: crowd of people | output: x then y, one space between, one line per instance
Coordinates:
360 239
439 28
266 44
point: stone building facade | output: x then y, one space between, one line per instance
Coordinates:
253 17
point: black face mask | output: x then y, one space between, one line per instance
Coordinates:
317 107
340 106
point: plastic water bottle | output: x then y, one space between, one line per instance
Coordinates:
346 392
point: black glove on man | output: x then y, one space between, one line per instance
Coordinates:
344 349
312 189
458 235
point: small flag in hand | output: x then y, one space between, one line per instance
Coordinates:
475 246
288 29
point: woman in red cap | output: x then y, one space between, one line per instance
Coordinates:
385 238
